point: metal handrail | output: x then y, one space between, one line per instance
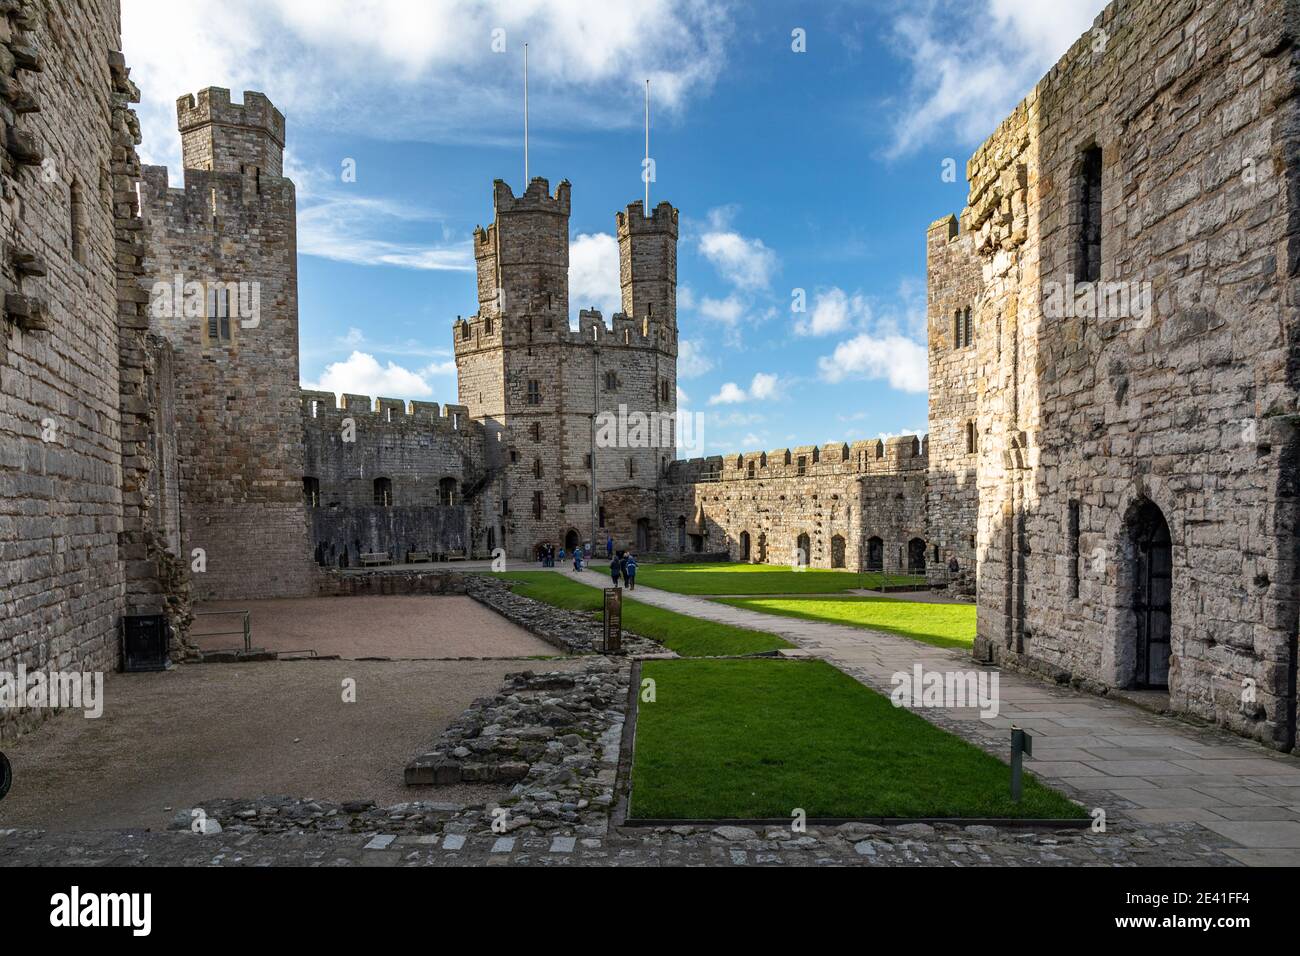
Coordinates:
247 630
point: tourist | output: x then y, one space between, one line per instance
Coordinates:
577 559
629 571
615 568
609 546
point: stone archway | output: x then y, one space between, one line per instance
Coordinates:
875 554
571 541
803 550
916 556
837 551
744 545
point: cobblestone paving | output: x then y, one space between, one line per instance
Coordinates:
849 845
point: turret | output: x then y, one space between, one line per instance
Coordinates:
647 263
224 137
523 256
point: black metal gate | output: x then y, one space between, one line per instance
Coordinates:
1153 598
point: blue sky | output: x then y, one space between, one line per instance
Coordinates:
816 171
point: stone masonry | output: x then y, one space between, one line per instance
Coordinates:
223 260
538 386
859 506
1135 468
84 427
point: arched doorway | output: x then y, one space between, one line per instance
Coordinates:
762 548
744 545
803 550
875 554
1151 596
837 551
916 556
643 534
571 541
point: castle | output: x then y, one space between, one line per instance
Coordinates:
1112 451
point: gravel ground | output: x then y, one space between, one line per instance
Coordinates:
174 739
396 626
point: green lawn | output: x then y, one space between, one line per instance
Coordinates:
943 625
759 738
758 579
688 636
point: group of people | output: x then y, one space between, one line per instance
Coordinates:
623 565
547 555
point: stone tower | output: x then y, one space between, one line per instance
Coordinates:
223 260
541 388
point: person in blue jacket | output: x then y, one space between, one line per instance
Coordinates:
616 568
629 571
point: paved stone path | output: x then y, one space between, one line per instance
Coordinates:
1137 766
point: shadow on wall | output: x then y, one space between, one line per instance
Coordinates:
340 535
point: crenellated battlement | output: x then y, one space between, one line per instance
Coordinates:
891 456
213 106
537 197
222 136
326 407
478 332
662 220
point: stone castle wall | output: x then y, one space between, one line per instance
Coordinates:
1190 407
441 496
840 496
240 434
80 542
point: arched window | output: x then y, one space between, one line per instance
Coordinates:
972 439
447 491
383 493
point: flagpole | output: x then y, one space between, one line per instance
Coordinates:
645 170
525 117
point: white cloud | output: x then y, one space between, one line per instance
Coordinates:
744 262
901 361
833 311
691 360
361 374
338 227
593 274
764 387
440 368
587 61
728 311
971 63
730 394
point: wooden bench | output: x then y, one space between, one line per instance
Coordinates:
417 557
458 556
375 557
